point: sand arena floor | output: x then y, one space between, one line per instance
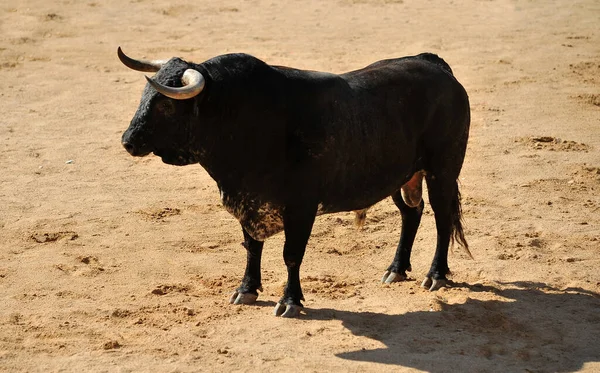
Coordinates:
114 263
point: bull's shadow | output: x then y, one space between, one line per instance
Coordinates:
530 330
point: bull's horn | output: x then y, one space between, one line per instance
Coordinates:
140 65
193 83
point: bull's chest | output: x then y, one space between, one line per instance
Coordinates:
260 219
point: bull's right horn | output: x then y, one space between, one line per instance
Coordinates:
193 83
140 65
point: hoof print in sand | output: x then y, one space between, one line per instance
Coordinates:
166 289
159 214
553 144
53 236
588 98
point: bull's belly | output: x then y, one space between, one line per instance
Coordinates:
352 203
264 219
360 193
260 219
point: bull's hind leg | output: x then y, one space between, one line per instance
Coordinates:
443 190
251 283
411 218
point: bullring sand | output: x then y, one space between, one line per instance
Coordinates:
115 263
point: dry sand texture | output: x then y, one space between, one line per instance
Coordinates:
112 263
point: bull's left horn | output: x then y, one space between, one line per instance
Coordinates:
193 83
140 65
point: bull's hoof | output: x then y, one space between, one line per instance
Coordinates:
433 284
389 277
243 298
287 310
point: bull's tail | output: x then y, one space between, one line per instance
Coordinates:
457 233
434 58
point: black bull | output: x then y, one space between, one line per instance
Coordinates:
285 145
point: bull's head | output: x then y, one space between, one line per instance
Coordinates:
164 121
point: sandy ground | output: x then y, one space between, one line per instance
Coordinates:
112 263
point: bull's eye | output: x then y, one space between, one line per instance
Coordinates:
166 107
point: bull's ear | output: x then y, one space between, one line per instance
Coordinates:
140 65
193 83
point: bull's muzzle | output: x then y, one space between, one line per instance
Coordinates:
133 147
136 151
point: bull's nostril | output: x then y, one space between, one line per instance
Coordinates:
129 147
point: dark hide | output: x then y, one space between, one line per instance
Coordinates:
285 145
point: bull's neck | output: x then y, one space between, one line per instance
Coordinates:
221 160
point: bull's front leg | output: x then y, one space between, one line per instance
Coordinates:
251 283
298 221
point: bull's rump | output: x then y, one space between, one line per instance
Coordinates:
398 113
